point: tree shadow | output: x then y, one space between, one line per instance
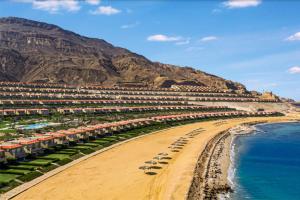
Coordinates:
144 167
175 151
156 167
177 147
163 162
151 173
181 142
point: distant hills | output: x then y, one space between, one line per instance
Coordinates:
34 51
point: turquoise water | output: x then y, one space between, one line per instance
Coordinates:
34 126
268 163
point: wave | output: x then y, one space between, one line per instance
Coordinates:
253 130
232 168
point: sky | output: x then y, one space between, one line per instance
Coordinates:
254 42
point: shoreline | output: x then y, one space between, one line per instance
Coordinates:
214 172
250 129
171 181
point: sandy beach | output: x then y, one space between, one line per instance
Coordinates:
115 174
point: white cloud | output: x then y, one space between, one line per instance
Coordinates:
294 70
163 38
241 3
105 10
53 6
126 26
208 38
294 37
93 2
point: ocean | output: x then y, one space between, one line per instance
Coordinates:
267 163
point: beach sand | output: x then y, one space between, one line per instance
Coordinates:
115 174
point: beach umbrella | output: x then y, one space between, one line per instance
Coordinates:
151 162
163 154
157 157
144 168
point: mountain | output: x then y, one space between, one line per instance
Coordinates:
34 51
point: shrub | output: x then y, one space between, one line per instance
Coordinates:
98 147
8 186
87 151
48 157
89 144
76 156
30 176
27 167
48 168
64 161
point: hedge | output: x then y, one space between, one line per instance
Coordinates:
27 167
56 157
48 168
37 162
8 186
87 151
30 176
15 171
64 161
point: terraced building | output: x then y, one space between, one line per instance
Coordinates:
47 125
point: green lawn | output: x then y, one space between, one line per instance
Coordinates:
27 167
6 178
101 142
77 147
37 162
14 171
89 144
57 156
7 131
108 139
67 152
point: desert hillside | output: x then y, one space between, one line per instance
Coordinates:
33 51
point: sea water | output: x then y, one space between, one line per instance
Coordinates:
267 164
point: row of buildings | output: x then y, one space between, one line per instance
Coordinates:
101 110
64 102
119 92
22 147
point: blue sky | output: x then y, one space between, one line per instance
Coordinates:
255 42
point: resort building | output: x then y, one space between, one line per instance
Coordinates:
13 150
30 145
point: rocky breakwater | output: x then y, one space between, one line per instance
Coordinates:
211 173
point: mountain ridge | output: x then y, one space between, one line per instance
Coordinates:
32 51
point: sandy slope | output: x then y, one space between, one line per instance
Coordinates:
114 174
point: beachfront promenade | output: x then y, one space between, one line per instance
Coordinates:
115 173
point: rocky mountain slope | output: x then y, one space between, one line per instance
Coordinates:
34 51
